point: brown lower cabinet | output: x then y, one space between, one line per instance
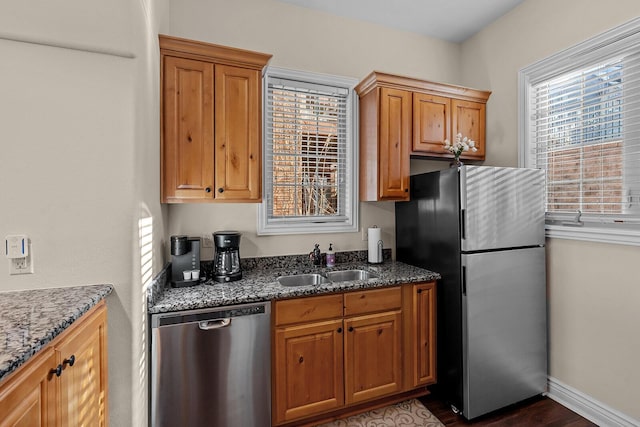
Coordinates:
336 352
34 395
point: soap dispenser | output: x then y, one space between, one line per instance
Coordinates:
331 256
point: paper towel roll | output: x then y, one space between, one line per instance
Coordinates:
375 244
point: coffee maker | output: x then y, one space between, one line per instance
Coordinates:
227 257
185 256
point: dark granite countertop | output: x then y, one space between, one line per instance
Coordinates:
32 318
260 284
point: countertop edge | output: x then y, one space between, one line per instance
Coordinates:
262 287
95 294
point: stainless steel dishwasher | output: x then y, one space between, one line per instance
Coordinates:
212 367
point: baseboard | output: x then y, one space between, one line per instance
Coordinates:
588 407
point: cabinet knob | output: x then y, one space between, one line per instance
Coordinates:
220 190
339 330
70 361
419 291
350 328
57 371
406 190
301 359
208 189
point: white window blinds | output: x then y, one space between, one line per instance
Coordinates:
584 130
308 154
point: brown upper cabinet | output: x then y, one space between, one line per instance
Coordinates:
211 122
402 117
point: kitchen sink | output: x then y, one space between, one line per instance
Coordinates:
347 275
302 279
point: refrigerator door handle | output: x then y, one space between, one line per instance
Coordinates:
463 218
464 281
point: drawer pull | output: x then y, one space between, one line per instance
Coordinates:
70 361
350 328
57 371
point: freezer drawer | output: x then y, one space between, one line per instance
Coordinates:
504 328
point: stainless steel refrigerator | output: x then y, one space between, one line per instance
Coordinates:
482 229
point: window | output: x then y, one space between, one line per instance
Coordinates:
580 121
310 164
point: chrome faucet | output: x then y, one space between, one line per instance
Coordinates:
315 255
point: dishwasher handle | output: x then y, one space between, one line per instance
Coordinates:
208 325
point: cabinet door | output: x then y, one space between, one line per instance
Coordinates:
308 369
83 383
372 356
27 399
187 130
431 118
468 118
422 339
395 140
237 134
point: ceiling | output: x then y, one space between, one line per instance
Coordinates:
451 20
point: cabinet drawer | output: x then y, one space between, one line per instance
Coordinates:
373 300
308 309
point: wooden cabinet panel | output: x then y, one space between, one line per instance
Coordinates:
237 134
372 300
372 356
34 396
83 383
468 118
308 369
420 338
403 116
27 398
324 363
395 137
310 309
211 122
431 123
187 137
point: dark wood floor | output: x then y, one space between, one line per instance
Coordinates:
538 411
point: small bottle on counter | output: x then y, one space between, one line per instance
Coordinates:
331 256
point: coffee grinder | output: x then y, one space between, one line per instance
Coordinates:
227 257
185 257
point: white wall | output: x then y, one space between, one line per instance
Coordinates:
594 290
80 154
79 161
304 39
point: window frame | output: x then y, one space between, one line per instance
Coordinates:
312 225
596 49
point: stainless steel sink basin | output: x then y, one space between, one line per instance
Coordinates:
347 275
302 279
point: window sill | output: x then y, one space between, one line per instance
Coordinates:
621 235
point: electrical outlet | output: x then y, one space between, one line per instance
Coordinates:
207 241
21 265
365 234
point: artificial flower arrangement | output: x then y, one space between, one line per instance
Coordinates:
461 145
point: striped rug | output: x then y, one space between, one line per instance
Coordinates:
410 413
